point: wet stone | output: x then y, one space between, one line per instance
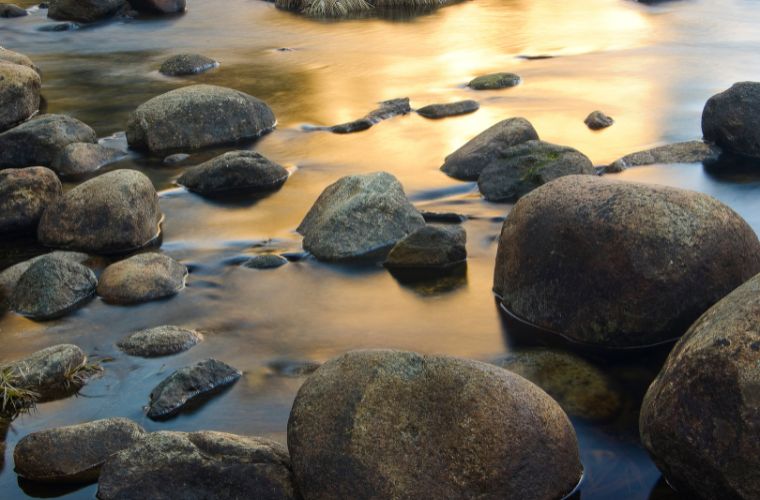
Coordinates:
293 367
187 64
8 10
435 111
141 278
388 109
160 341
159 6
9 277
19 95
268 261
38 141
437 247
83 11
9 56
83 158
494 81
235 172
680 152
176 158
597 120
24 195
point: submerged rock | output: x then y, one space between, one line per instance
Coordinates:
680 152
467 162
38 141
266 261
9 10
56 27
359 217
83 11
430 247
494 81
75 453
731 119
597 120
187 64
293 367
241 172
19 95
176 158
160 341
206 464
83 158
24 195
619 264
143 277
387 109
699 418
390 424
435 111
8 56
522 168
113 213
178 389
188 118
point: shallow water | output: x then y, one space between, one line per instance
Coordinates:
651 68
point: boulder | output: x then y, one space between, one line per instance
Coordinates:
265 261
235 172
680 152
436 111
9 10
619 264
168 465
84 11
159 6
467 162
9 277
24 195
113 213
731 119
597 120
160 341
390 424
494 81
39 141
75 453
700 419
187 64
359 217
189 118
430 247
199 380
19 95
141 278
522 168
81 158
52 287
8 56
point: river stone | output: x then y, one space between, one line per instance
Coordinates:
436 247
387 109
113 213
731 119
8 56
582 389
51 288
24 194
141 278
159 6
201 379
596 120
522 168
390 424
39 141
83 158
266 261
48 373
619 264
191 118
243 172
83 11
19 94
680 152
700 419
75 453
494 81
160 341
435 111
187 64
467 162
9 10
9 277
199 465
359 217
293 367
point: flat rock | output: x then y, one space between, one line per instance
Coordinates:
293 367
267 261
188 118
75 453
731 119
178 389
436 247
83 158
187 64
467 162
435 111
680 152
141 278
494 81
159 6
160 341
522 168
8 56
24 195
37 142
235 172
198 465
387 109
596 120
9 10
19 95
83 11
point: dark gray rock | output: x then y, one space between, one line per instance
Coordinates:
188 118
9 277
113 213
494 81
235 172
24 195
159 6
618 264
444 217
19 95
75 453
680 152
387 109
176 158
178 389
266 261
187 64
143 277
9 10
731 119
8 56
38 141
596 120
57 27
390 424
467 162
84 11
82 158
359 217
160 341
522 168
199 465
435 111
436 247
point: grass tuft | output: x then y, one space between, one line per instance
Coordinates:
334 8
76 376
14 400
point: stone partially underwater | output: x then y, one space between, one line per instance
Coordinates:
358 8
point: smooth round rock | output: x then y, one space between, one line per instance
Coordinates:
731 119
159 6
170 465
19 94
430 247
83 11
522 168
596 120
187 64
113 213
50 373
9 56
619 264
9 10
700 419
83 158
236 172
160 341
436 111
9 277
267 261
141 278
24 195
189 118
390 424
494 81
75 453
467 162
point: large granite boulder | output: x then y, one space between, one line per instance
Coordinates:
24 195
141 278
731 119
84 11
235 172
19 94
